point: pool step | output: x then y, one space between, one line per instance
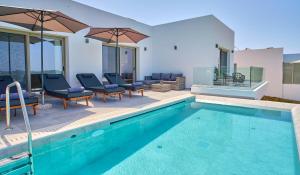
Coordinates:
16 165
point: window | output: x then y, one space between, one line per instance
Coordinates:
53 58
53 55
296 73
13 56
291 73
14 61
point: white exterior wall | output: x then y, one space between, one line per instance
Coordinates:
271 60
291 91
82 57
196 39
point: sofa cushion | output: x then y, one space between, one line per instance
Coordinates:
156 76
174 76
166 76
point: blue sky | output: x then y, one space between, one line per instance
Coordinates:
257 23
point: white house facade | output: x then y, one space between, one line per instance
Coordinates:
174 47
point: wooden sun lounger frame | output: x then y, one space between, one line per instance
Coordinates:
66 100
33 105
138 91
110 94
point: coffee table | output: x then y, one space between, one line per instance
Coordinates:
161 87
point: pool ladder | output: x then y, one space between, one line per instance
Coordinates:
23 162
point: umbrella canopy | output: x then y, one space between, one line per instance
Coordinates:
33 18
115 35
40 20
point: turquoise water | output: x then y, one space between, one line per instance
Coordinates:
187 138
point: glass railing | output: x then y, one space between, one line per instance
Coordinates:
240 77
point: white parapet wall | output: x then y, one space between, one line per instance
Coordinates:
271 59
256 93
291 91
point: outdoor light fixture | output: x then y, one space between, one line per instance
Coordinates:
87 40
126 52
175 47
232 51
145 48
217 46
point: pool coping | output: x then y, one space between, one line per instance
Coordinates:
293 108
52 133
296 120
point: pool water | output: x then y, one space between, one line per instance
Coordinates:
186 138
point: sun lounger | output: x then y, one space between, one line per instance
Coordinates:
55 85
15 103
114 78
90 82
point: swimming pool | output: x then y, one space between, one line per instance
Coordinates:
185 138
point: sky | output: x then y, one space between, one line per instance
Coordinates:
256 23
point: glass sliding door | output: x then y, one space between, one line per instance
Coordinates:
223 63
109 61
125 64
4 54
128 63
53 58
13 57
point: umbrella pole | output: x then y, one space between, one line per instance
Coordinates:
9 56
42 56
117 45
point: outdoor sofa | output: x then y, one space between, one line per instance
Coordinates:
176 80
15 103
90 82
114 78
55 85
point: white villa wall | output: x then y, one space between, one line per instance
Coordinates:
271 60
90 54
195 40
291 91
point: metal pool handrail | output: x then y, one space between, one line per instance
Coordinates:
25 115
